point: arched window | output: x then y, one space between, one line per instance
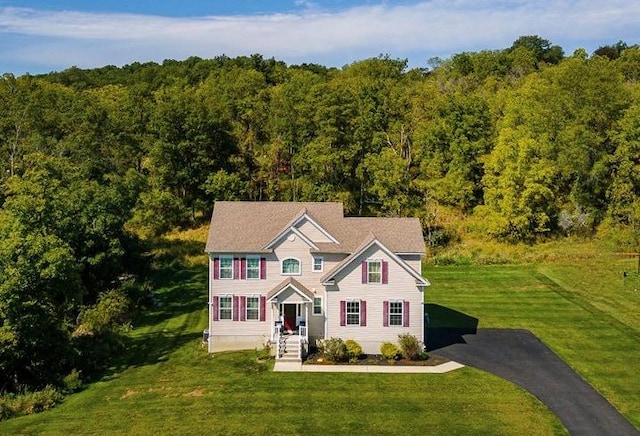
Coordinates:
290 266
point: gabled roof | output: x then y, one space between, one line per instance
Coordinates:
291 283
291 226
255 227
243 226
328 278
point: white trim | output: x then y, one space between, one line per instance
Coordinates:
313 311
246 307
246 267
372 260
284 233
329 278
401 313
317 226
220 297
313 263
346 313
282 273
225 256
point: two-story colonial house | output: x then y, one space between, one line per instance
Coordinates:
298 272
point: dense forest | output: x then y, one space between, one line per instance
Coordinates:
529 142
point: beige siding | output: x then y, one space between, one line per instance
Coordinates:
314 234
401 286
226 334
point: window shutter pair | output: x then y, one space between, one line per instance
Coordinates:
385 272
239 308
405 314
239 268
363 313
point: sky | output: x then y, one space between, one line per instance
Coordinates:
38 36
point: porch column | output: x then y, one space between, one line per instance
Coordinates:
308 321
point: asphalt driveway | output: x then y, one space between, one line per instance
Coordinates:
520 357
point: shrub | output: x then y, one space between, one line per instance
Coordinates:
30 402
333 349
354 350
410 346
72 382
389 350
264 353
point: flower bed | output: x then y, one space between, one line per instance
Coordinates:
375 359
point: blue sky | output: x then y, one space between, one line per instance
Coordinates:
39 36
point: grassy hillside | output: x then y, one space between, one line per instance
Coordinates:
583 309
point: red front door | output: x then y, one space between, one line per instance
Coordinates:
289 315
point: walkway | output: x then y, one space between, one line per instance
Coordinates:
399 369
520 357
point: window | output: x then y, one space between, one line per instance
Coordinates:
226 267
317 305
318 263
395 312
253 267
253 308
374 271
291 266
353 313
226 306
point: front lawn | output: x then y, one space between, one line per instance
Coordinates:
168 384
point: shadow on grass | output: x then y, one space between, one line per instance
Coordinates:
179 290
446 326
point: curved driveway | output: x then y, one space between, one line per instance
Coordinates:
520 357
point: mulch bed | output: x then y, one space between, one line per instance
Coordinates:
376 359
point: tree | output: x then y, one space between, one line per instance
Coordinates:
541 48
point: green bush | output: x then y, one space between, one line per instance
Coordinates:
72 382
29 402
333 349
389 350
409 345
264 353
354 350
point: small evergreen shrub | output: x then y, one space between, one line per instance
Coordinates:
389 350
354 350
409 345
333 349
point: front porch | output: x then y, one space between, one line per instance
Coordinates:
291 306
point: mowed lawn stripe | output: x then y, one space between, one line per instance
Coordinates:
590 336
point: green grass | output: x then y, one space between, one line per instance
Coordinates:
585 311
168 384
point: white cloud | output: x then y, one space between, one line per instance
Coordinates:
437 27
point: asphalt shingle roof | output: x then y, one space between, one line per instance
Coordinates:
247 227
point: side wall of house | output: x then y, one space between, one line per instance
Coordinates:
401 287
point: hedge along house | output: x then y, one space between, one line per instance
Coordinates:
290 273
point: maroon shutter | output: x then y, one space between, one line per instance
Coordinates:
216 268
236 303
263 308
263 268
236 268
214 308
385 272
405 313
364 271
243 268
343 313
385 314
243 308
363 313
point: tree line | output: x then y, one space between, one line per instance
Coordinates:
530 142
